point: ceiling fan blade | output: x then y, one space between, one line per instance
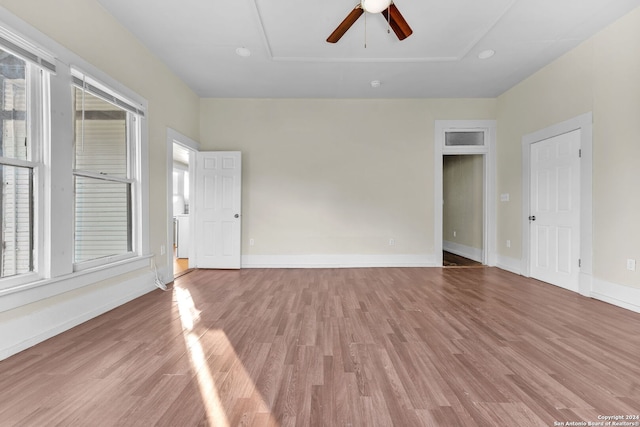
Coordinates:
351 18
397 22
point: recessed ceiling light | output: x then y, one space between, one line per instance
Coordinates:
486 54
375 83
243 51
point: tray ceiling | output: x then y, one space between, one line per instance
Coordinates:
289 57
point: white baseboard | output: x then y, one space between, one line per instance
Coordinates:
585 284
338 261
513 265
166 274
29 325
619 295
469 252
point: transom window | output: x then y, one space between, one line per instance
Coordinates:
464 138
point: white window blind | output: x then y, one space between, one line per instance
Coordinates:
26 51
82 82
17 195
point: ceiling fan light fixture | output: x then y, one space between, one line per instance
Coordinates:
375 6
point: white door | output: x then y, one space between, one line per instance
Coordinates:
218 191
555 210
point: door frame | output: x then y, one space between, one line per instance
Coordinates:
489 185
175 137
584 123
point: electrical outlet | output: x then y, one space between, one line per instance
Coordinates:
454 233
631 264
508 243
504 197
392 242
252 242
163 249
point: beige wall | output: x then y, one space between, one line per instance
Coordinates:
558 92
329 177
602 76
85 28
462 191
616 154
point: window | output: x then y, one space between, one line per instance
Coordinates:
20 83
72 154
462 138
106 137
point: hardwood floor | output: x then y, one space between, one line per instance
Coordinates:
343 347
453 260
180 265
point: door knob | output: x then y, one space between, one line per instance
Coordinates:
532 218
236 216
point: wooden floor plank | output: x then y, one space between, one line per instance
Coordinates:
330 347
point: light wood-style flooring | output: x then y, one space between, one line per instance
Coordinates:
180 265
335 347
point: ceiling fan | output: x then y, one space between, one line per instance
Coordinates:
385 7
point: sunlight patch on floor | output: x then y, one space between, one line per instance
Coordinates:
209 391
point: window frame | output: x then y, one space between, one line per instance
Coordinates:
36 86
89 84
466 149
54 222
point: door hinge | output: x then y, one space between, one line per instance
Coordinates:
580 152
579 262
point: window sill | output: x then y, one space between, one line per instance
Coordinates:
28 293
93 264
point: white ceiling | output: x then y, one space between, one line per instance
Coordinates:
290 58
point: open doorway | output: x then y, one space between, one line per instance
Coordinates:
181 154
462 210
181 202
470 141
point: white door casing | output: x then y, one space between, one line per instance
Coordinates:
217 209
489 189
584 123
554 217
175 137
